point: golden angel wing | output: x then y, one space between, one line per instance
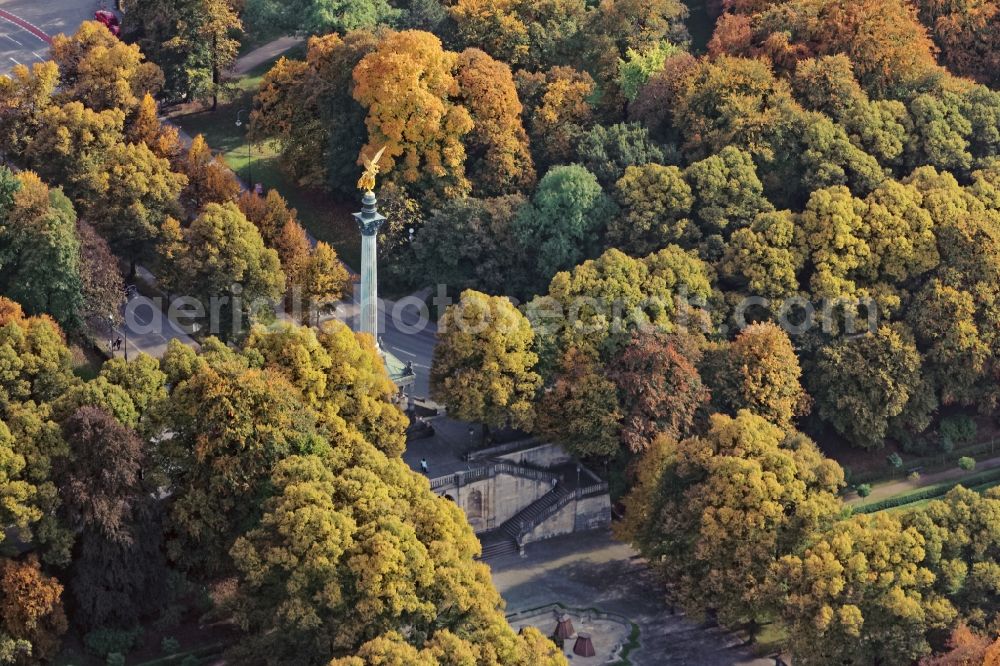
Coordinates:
378 156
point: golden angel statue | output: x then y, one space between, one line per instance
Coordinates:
367 181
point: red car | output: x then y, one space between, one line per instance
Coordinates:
110 21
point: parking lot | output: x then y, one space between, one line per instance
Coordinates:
27 25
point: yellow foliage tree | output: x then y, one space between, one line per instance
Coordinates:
410 90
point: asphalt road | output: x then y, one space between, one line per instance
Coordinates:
27 25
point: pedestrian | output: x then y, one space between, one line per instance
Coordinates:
423 466
118 343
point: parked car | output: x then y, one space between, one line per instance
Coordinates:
109 20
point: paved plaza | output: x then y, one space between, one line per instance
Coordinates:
591 570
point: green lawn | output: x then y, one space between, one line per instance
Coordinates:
323 216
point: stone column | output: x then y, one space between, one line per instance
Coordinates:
369 222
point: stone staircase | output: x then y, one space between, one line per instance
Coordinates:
506 539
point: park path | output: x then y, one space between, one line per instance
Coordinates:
883 490
262 54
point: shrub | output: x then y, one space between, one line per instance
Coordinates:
864 490
967 463
116 659
913 476
191 660
956 431
169 645
104 642
894 460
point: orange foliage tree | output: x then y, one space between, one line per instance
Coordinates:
410 90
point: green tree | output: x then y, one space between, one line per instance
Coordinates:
467 244
319 17
192 40
483 367
728 194
565 219
39 248
608 151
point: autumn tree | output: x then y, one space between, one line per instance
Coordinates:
499 160
70 146
965 32
144 126
340 375
231 424
101 285
32 619
209 180
891 51
24 94
863 382
965 648
525 34
192 40
860 592
557 111
483 367
760 372
39 249
410 90
118 561
714 513
659 387
655 203
765 258
958 531
35 356
308 107
138 192
581 409
339 589
602 301
102 71
269 214
220 249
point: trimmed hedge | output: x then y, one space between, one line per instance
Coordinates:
930 492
